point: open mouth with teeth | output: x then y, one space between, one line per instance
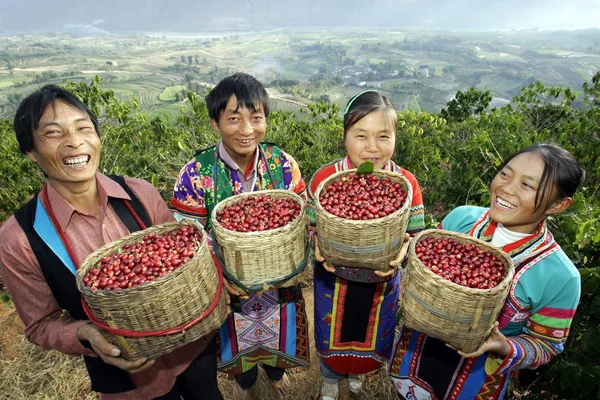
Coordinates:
76 162
245 141
504 205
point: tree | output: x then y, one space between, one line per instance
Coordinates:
472 102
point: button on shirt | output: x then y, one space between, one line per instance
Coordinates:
36 305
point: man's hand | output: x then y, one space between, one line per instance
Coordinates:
394 264
496 343
319 257
109 353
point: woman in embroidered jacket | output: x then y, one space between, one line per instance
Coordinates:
268 328
362 304
533 325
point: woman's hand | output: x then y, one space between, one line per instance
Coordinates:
319 257
394 264
496 343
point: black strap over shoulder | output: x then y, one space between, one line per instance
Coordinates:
104 378
60 280
122 211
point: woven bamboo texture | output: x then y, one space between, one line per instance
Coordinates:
460 316
369 244
165 303
255 258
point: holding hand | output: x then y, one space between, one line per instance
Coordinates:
496 343
319 257
108 353
394 264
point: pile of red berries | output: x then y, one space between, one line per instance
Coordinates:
258 213
463 264
149 259
362 197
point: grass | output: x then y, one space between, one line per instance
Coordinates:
29 372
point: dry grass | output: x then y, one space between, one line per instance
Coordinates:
29 372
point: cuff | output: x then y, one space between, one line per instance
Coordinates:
498 365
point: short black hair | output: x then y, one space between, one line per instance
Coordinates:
247 90
561 177
32 108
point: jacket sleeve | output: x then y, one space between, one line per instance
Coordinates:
544 334
188 194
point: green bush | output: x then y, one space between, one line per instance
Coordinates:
454 159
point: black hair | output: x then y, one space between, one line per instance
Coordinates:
561 177
247 90
32 108
364 104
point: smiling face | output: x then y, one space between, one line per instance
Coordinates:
66 146
513 194
372 138
241 130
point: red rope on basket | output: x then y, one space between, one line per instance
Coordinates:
163 332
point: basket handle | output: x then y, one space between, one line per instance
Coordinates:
162 332
257 287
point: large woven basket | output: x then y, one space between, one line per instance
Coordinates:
255 260
460 316
157 317
370 244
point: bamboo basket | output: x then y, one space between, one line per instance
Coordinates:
253 261
369 244
157 317
460 316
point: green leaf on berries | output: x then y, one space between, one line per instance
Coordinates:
365 168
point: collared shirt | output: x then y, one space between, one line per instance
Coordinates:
248 177
36 305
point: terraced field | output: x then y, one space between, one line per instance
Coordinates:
148 66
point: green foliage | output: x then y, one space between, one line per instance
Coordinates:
313 139
19 177
454 156
472 102
365 168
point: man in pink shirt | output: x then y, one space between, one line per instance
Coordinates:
78 211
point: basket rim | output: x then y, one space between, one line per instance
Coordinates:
255 234
405 207
495 290
86 266
163 332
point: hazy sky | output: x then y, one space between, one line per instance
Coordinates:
195 15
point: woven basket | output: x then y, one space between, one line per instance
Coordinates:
271 258
370 244
157 317
460 316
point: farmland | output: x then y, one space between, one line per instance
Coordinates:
419 70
